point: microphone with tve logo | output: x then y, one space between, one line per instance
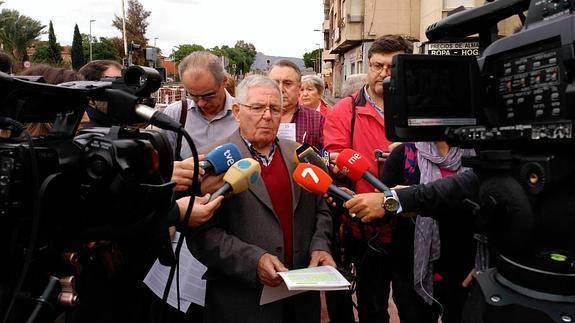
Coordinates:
221 158
315 180
355 167
239 177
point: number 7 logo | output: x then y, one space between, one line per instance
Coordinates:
309 171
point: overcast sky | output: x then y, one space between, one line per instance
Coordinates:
275 27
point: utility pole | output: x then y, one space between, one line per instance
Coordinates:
318 59
318 54
91 21
124 30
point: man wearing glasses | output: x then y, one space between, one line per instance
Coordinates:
208 118
357 122
209 115
273 226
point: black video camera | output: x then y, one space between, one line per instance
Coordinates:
515 105
61 190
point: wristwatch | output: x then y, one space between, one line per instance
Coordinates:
389 203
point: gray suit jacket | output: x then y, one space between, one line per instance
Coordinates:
242 230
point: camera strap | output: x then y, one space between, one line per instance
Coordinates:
183 114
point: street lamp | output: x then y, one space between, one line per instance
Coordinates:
155 38
91 21
318 59
318 53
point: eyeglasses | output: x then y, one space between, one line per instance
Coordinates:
259 109
378 67
287 83
205 97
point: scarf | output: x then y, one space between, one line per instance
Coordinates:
427 244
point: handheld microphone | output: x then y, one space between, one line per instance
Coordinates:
315 180
221 158
308 154
355 167
239 177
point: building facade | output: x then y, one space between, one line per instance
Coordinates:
351 26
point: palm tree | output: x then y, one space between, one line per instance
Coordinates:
17 33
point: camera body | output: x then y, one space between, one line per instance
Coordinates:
515 105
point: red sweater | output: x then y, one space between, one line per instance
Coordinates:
278 184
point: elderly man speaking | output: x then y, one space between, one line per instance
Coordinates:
272 227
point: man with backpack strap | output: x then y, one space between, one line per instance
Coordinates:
357 122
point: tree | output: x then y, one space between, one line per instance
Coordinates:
246 57
77 51
41 53
136 25
241 56
54 49
17 33
104 48
184 50
310 58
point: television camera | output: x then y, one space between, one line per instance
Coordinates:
515 104
61 191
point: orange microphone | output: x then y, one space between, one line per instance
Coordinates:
315 180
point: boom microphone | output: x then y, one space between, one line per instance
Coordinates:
308 154
221 158
315 180
239 177
156 118
354 166
123 107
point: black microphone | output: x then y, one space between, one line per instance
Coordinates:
308 154
156 118
125 107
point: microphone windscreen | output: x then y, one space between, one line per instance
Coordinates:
242 174
223 157
351 164
309 155
312 178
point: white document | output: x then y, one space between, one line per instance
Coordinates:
272 294
287 131
315 278
301 280
192 286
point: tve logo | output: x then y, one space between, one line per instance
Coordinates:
229 158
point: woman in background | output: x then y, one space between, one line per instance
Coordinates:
311 92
